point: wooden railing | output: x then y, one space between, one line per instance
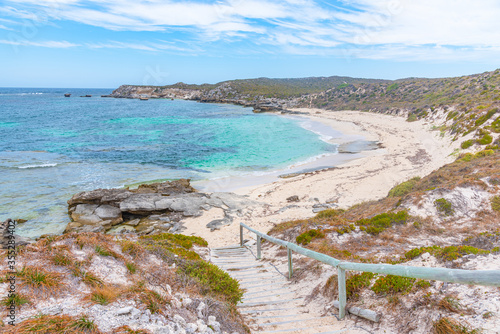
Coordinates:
470 277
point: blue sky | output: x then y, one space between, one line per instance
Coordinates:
87 43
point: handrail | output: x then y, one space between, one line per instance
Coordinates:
471 277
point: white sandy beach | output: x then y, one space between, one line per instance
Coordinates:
408 150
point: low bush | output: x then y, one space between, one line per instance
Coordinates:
308 236
404 187
178 239
213 279
466 144
486 139
329 213
495 126
448 253
444 206
481 120
379 223
391 284
356 283
495 203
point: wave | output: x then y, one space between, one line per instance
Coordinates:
38 166
20 94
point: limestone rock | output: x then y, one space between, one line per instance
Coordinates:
152 208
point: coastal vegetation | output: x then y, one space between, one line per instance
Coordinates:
388 230
155 272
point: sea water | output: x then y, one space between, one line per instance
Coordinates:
52 147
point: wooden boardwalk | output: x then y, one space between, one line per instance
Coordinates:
271 303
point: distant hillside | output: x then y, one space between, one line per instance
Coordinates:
413 93
463 105
282 88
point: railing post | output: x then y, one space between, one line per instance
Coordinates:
290 265
342 292
241 235
258 246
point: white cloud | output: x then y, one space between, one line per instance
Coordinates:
45 44
376 29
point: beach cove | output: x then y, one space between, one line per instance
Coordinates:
48 157
408 149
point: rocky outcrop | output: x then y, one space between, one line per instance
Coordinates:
220 93
151 208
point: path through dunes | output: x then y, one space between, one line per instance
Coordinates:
271 303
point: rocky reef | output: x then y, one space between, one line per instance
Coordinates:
151 208
223 93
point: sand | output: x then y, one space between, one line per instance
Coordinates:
409 149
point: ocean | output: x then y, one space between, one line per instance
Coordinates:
52 147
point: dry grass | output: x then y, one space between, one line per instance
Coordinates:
104 294
128 330
133 248
37 279
55 324
452 326
452 304
87 277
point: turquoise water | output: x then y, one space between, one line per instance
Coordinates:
53 147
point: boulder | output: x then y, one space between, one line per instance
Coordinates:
108 212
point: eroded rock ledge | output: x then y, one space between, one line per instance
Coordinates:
151 208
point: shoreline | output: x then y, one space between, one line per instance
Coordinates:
361 141
409 149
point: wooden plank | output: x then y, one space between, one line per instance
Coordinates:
342 293
273 302
290 264
363 313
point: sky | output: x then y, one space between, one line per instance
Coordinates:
106 43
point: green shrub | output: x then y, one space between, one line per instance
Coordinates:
444 206
466 144
485 117
495 126
485 139
392 87
412 118
495 203
466 157
404 187
356 283
391 284
379 223
308 236
411 254
178 239
213 279
483 153
329 213
448 253
422 284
